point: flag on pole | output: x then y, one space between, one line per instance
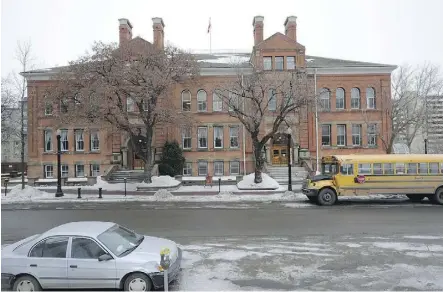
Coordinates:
209 26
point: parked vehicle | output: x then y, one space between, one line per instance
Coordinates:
88 255
415 175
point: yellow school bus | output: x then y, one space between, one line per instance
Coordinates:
415 175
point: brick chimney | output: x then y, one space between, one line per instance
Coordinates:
125 31
159 32
291 27
258 29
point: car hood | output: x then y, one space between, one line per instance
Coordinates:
150 248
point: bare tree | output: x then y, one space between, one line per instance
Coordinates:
263 98
127 89
9 103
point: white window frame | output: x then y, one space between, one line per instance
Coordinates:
203 163
186 99
231 163
77 166
187 169
64 105
370 98
49 109
202 133
372 134
46 169
339 135
325 99
272 102
95 172
355 98
220 135
216 171
355 134
79 140
65 170
186 136
282 63
217 103
233 100
328 135
267 68
64 142
340 99
202 101
234 137
48 136
290 65
130 104
95 137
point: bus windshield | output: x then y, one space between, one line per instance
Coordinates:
329 168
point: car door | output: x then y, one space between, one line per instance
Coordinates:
47 261
85 271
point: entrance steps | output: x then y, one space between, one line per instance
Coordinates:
280 173
132 176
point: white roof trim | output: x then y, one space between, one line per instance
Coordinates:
352 70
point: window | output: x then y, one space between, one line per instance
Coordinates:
217 103
85 248
234 102
279 61
187 169
186 101
340 98
202 104
218 137
341 135
219 168
186 138
64 140
411 168
95 170
370 98
267 63
145 105
95 140
290 63
130 104
423 168
202 137
48 140
433 168
49 171
378 168
65 170
372 135
325 99
48 108
356 135
79 140
234 167
64 105
355 98
79 170
233 136
54 247
202 168
347 169
400 168
326 135
364 168
272 104
388 168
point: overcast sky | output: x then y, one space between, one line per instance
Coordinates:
385 31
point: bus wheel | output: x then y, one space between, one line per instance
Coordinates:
437 198
326 197
416 198
312 199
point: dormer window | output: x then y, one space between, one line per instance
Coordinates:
290 63
279 61
267 63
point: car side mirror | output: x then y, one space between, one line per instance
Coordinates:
104 257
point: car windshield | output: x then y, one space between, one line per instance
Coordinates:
120 241
329 168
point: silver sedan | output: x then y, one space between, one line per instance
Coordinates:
88 255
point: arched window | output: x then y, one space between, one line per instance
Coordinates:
340 98
186 101
325 99
355 98
202 104
272 104
370 98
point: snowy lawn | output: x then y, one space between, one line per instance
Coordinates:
247 183
161 181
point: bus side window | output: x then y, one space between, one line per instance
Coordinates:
346 169
377 169
388 168
423 168
364 168
400 168
433 168
411 168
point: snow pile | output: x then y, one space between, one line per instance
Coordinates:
163 195
225 195
161 181
294 196
106 186
17 194
247 183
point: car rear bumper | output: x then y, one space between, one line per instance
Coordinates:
7 281
173 273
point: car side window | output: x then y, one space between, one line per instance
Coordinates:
54 247
85 248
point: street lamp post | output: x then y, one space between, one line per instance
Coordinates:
59 192
289 160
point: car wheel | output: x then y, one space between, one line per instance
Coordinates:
416 198
138 282
26 283
437 198
326 197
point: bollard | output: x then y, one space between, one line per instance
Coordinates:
100 193
219 184
79 195
6 185
125 185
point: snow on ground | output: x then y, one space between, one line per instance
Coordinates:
161 181
247 183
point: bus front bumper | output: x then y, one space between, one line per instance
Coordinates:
309 192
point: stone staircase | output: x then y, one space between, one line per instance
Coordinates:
132 176
280 174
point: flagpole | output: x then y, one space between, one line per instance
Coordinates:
210 36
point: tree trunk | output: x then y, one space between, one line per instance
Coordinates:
148 155
259 160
